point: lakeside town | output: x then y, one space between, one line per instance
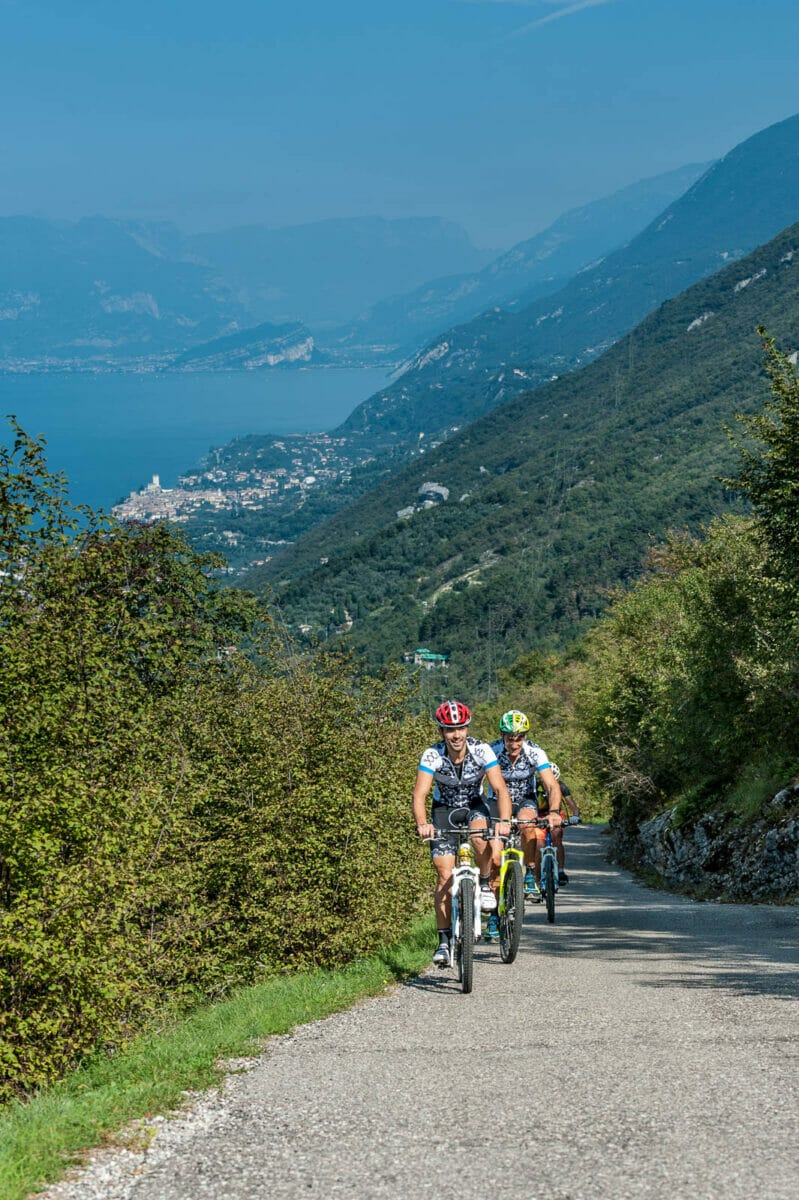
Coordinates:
243 477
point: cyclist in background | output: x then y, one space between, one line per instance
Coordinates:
571 803
574 819
521 763
454 768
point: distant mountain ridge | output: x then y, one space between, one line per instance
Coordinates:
266 345
328 271
532 268
742 201
90 291
101 294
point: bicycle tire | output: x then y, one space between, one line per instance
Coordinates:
510 923
548 887
466 941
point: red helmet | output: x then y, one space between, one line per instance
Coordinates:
452 713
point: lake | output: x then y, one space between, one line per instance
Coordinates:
111 433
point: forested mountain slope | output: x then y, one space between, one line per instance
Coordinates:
553 498
742 201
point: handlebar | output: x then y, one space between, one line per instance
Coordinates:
463 832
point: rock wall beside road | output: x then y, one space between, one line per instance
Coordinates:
718 855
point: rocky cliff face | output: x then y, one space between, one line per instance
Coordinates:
718 855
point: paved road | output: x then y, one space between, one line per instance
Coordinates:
644 1046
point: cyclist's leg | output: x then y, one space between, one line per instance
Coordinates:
540 838
442 854
444 865
527 835
487 852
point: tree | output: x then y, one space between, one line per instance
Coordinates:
769 473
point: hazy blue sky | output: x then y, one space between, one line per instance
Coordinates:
499 114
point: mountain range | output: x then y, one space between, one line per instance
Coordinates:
515 529
533 268
738 203
100 294
105 294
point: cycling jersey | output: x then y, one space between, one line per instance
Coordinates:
520 776
458 786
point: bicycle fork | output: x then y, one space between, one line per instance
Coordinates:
457 875
549 852
507 857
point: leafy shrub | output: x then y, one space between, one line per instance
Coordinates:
185 804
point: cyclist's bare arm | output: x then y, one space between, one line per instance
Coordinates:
421 790
570 803
554 794
500 788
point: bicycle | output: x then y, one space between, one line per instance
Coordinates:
465 923
549 869
511 894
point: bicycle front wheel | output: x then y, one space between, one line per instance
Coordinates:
465 948
548 888
510 923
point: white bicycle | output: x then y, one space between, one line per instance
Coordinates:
466 923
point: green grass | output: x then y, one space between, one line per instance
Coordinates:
757 783
41 1138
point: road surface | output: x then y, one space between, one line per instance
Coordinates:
644 1046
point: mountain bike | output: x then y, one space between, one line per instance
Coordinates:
466 921
549 869
511 894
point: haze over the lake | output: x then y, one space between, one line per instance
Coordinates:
498 114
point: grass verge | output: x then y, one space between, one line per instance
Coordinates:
41 1138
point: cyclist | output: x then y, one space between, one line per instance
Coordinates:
521 763
454 768
574 819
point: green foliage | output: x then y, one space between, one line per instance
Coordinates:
548 687
185 803
693 674
770 469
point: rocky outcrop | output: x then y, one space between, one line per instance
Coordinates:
718 854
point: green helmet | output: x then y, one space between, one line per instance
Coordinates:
514 722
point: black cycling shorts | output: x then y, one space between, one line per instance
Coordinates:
444 817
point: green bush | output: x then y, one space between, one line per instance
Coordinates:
185 803
692 674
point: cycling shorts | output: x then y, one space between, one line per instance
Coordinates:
525 807
446 845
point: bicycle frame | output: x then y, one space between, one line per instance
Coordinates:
464 865
510 850
549 854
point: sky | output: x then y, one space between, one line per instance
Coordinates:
497 114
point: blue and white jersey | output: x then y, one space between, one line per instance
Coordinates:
458 786
520 776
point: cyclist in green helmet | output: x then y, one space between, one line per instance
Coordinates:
520 761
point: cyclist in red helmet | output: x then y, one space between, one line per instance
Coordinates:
454 769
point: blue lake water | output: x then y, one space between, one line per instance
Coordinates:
111 433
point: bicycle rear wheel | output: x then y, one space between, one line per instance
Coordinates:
548 886
510 923
465 947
